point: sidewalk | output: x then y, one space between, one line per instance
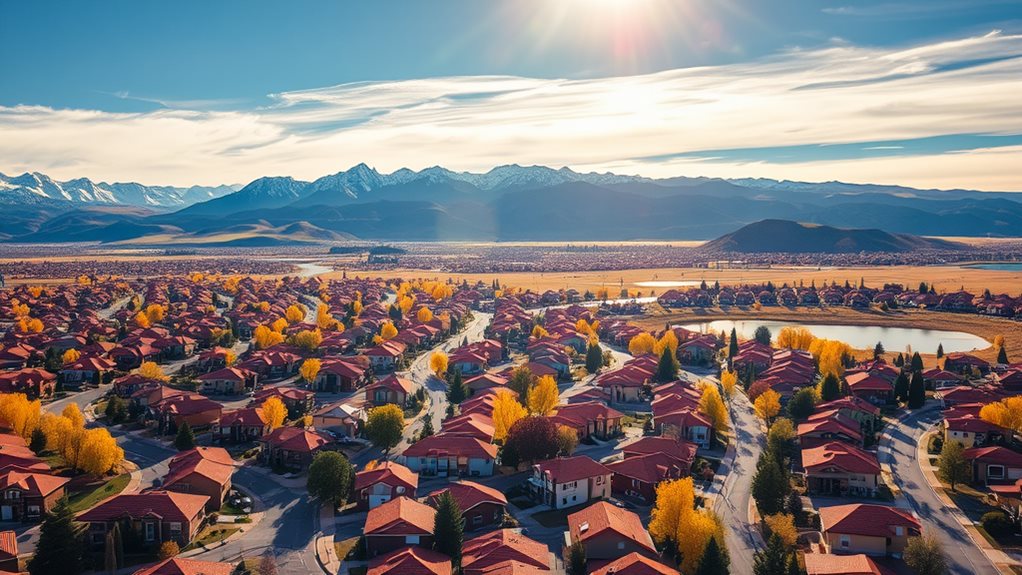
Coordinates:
326 555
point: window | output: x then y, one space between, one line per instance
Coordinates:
175 529
411 539
477 519
400 489
846 541
995 471
33 510
150 531
620 544
899 530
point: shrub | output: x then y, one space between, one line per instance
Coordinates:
996 523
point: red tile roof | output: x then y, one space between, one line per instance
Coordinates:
500 546
388 472
842 456
469 494
602 517
446 444
634 564
168 505
209 462
294 439
568 469
410 561
995 454
182 566
400 516
35 484
865 519
827 564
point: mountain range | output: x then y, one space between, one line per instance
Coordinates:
506 203
785 236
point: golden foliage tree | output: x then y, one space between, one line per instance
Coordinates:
830 356
19 414
310 369
696 530
99 452
424 315
669 341
74 415
767 405
539 332
506 411
1006 413
142 320
70 356
279 325
782 525
265 337
275 412
675 521
294 313
712 406
388 331
230 358
729 381
155 313
642 344
151 370
438 363
795 338
356 307
326 321
308 340
19 310
543 396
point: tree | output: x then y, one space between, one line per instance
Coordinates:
152 370
878 350
388 331
567 440
521 381
715 560
732 345
384 426
773 560
793 566
712 406
1002 356
767 405
769 485
916 391
802 403
641 344
952 466
116 410
533 438
155 312
307 340
448 528
60 550
21 415
427 426
728 382
38 442
265 337
275 412
782 525
294 314
781 436
167 550
830 388
331 478
1006 413
310 369
506 412
185 439
74 415
940 350
795 338
667 368
762 335
925 556
99 452
140 320
698 528
917 362
543 396
70 356
594 357
575 562
438 363
456 392
901 388
424 315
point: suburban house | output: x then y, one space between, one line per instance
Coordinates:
35 383
28 495
819 430
965 364
241 425
838 468
608 532
342 374
446 455
995 464
674 415
635 564
391 389
339 417
228 381
386 481
298 401
501 551
590 418
480 505
410 561
875 530
638 475
851 407
398 523
157 516
197 411
871 388
569 481
971 431
290 447
386 356
203 471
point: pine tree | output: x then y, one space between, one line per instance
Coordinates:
940 350
900 360
60 550
185 439
830 389
878 350
456 389
917 362
667 369
448 528
427 426
38 442
770 485
732 346
594 358
793 567
773 560
714 560
916 391
575 562
901 387
1002 356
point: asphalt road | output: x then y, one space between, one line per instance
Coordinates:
901 441
743 538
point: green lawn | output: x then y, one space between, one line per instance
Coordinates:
89 497
212 534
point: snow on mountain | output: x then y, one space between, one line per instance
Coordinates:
34 186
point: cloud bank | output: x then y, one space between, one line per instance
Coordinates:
661 124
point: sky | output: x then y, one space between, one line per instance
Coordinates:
918 93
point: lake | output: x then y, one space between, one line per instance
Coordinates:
859 336
998 267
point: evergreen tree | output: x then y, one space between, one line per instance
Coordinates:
456 389
878 350
763 335
331 477
773 560
900 360
916 391
575 562
732 346
1002 356
185 439
802 403
793 567
427 426
830 388
667 369
448 528
901 387
394 312
594 357
917 362
60 550
940 350
38 442
770 485
714 560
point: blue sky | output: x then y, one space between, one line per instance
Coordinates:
210 92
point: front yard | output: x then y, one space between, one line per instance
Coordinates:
95 492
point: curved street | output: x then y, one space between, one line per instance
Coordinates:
735 498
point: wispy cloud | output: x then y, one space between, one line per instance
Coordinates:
861 97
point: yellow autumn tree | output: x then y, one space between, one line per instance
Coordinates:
356 307
230 358
155 313
324 320
74 415
265 337
279 325
712 406
1006 413
19 414
729 381
506 411
99 452
294 313
539 332
642 344
767 405
142 320
438 363
19 310
795 338
57 429
275 412
674 499
830 356
694 535
669 341
388 331
310 369
152 370
405 304
70 356
308 340
782 525
424 315
543 396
